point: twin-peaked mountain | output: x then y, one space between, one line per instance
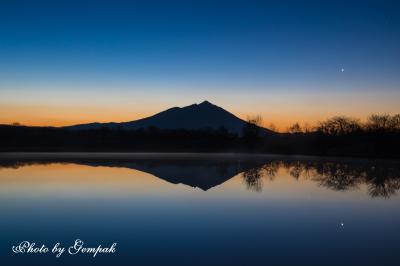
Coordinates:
193 117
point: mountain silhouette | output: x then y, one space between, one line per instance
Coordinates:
193 117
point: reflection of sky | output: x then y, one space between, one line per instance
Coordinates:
73 180
226 224
64 63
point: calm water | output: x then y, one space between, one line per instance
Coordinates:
201 209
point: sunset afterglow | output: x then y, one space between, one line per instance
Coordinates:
127 61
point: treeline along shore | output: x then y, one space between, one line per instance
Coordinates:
379 137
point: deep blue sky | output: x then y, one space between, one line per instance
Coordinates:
147 55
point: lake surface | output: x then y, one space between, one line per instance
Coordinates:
201 209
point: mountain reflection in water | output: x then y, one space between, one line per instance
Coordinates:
382 178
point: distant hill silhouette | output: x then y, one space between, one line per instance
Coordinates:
193 117
208 128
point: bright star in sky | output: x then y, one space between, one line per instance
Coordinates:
342 70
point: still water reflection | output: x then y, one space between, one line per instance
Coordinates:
202 209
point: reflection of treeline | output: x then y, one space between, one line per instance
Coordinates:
382 179
379 136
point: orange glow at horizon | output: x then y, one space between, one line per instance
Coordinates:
279 111
63 116
58 118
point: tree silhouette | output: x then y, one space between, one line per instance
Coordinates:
295 128
339 125
251 132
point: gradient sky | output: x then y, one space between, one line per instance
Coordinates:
67 62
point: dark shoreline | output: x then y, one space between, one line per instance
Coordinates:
380 143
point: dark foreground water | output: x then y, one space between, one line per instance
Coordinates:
189 209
